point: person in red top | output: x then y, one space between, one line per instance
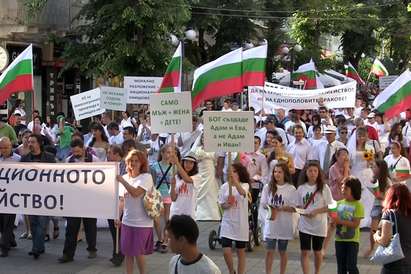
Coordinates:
371 132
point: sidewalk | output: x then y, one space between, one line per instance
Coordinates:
19 262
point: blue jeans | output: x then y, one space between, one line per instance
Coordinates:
62 153
38 231
347 257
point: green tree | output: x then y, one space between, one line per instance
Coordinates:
124 37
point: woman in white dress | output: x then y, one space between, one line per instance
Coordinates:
360 147
207 192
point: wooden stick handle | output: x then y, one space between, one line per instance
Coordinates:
230 188
117 235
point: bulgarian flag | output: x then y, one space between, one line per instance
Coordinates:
172 78
396 98
254 60
18 77
375 189
332 210
308 74
352 73
220 77
378 68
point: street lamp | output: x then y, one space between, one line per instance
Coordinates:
190 35
288 51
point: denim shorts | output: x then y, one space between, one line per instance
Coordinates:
270 244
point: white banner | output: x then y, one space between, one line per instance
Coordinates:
171 112
66 189
113 98
231 131
87 104
140 88
275 96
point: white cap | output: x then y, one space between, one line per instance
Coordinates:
330 129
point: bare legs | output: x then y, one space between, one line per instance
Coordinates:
228 257
269 259
141 265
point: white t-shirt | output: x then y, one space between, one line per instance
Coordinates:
134 213
234 224
186 197
399 165
203 266
316 225
282 227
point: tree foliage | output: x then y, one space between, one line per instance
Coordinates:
124 37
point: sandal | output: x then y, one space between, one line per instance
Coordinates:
24 235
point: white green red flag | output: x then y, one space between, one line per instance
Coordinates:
306 73
172 78
378 68
353 74
254 61
220 77
396 98
18 77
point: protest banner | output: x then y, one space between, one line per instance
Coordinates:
171 112
113 98
140 88
385 81
64 189
87 104
231 131
276 96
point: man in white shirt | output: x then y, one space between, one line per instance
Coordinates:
294 120
300 149
116 136
183 234
324 150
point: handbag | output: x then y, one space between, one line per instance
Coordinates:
153 203
391 253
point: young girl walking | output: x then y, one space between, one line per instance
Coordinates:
234 223
312 200
278 198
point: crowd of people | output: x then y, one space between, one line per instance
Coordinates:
314 174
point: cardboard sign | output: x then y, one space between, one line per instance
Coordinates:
171 112
385 81
113 98
139 88
231 131
87 104
64 189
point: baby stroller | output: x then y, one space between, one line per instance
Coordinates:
254 234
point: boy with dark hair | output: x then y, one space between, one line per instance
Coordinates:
183 234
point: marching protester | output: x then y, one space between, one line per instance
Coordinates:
136 226
99 141
183 187
381 179
300 150
396 218
79 155
278 198
183 234
313 197
6 130
347 221
162 173
7 239
234 223
279 154
37 223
